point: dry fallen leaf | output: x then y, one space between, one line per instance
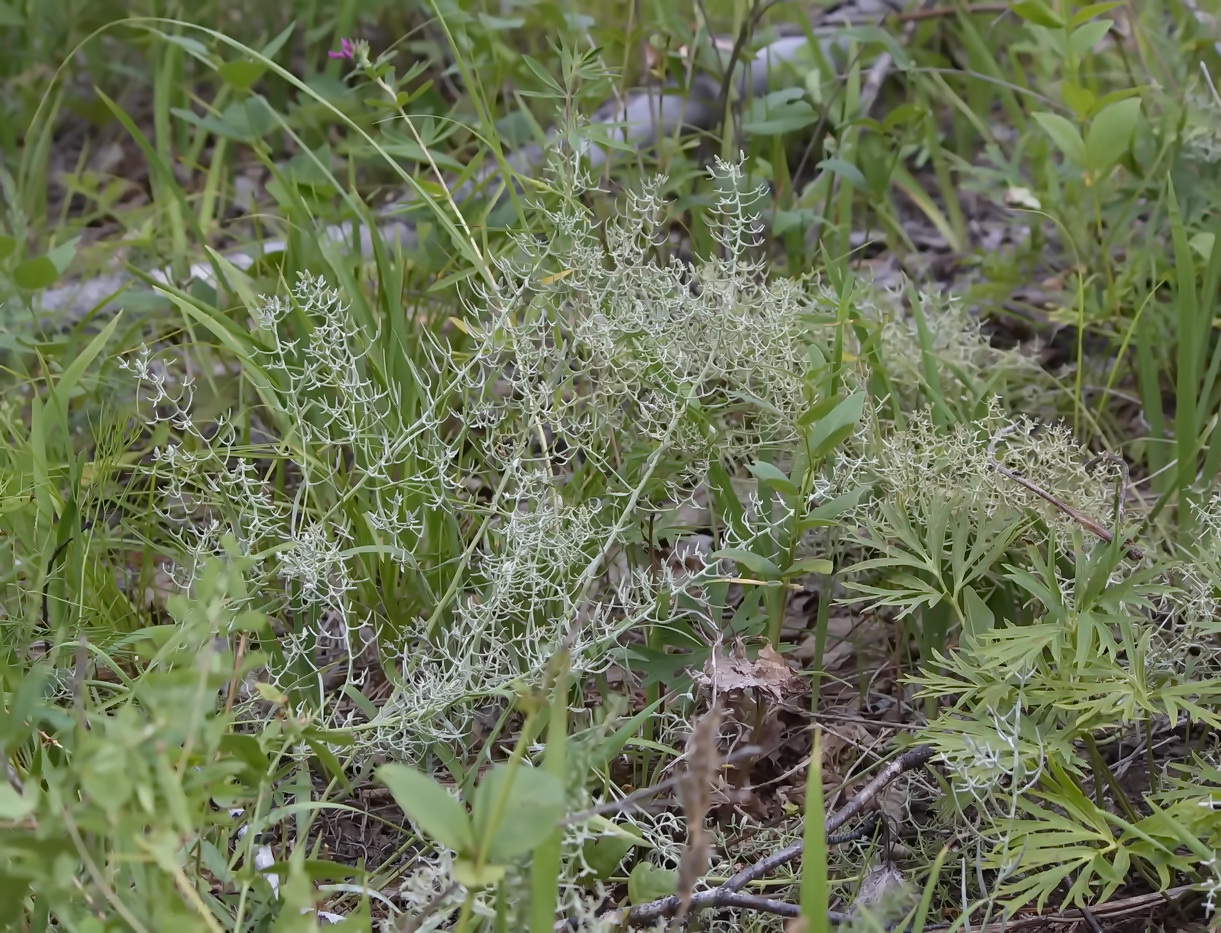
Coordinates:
768 673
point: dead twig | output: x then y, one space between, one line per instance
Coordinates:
729 894
912 758
1079 517
868 825
1121 488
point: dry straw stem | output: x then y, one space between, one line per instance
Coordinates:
694 790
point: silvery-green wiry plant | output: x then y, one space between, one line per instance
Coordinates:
288 501
595 384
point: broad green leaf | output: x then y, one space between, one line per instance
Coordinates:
1110 133
193 47
1202 243
106 778
784 220
516 809
847 171
501 23
242 121
600 754
469 875
1078 99
604 854
22 701
63 254
828 512
8 246
783 111
1038 12
297 914
755 563
773 476
1090 10
246 749
540 71
13 887
647 883
174 809
1084 38
328 760
37 273
1064 134
876 35
980 619
1122 94
442 818
904 115
834 428
809 565
243 73
272 48
13 805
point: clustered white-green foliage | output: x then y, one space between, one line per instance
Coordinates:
593 363
589 335
941 331
590 357
583 357
924 467
327 409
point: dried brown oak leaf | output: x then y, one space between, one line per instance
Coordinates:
768 673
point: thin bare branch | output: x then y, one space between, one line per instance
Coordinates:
729 894
1076 515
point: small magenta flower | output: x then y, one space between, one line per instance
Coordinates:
346 50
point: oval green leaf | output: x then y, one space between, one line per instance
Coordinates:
1110 133
439 816
36 273
515 811
755 563
647 883
1064 134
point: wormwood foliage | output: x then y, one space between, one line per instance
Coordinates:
339 538
593 384
448 533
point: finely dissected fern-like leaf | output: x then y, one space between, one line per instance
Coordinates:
1029 699
1080 841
